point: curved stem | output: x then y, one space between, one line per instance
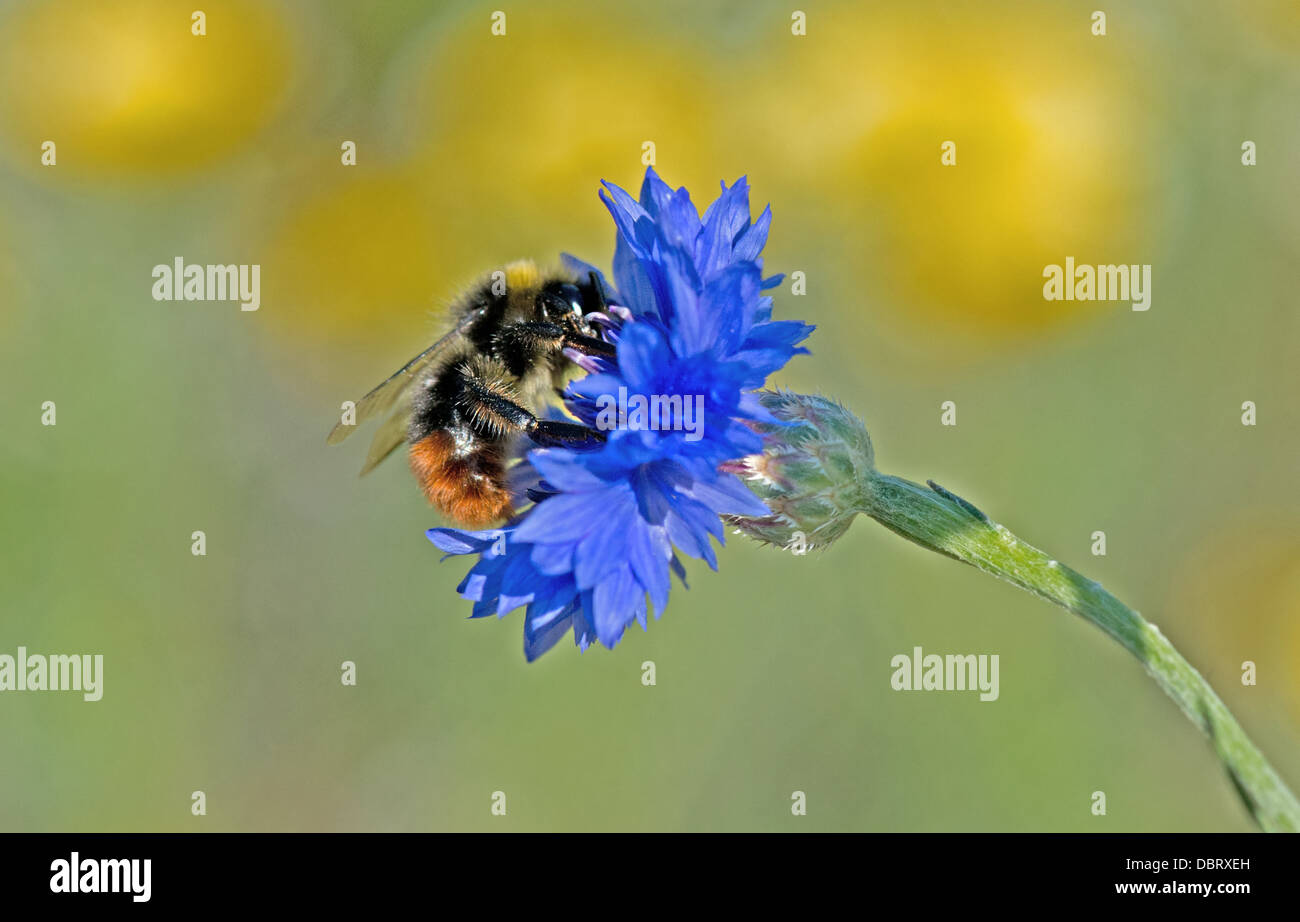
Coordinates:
941 521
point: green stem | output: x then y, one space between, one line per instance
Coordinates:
936 519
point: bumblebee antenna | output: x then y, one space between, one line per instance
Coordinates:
600 290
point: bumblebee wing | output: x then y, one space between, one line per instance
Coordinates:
394 394
391 433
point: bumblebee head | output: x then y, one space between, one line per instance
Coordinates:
568 304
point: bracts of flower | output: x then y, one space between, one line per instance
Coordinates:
694 335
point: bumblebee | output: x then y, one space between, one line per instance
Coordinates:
461 403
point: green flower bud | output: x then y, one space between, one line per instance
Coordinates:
812 474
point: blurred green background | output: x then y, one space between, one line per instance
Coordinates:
222 672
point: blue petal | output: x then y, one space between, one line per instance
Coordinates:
750 242
543 631
455 541
654 193
640 352
553 559
613 604
634 283
648 552
565 470
723 222
563 517
728 495
626 213
605 550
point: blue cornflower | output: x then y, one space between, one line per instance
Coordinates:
695 340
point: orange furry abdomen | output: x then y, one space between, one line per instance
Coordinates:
465 486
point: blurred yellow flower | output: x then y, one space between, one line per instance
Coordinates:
1048 156
361 253
524 126
1275 23
497 156
126 88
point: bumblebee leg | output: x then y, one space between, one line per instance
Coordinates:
539 334
491 407
521 343
589 345
487 402
556 433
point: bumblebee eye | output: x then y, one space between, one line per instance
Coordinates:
564 300
573 297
